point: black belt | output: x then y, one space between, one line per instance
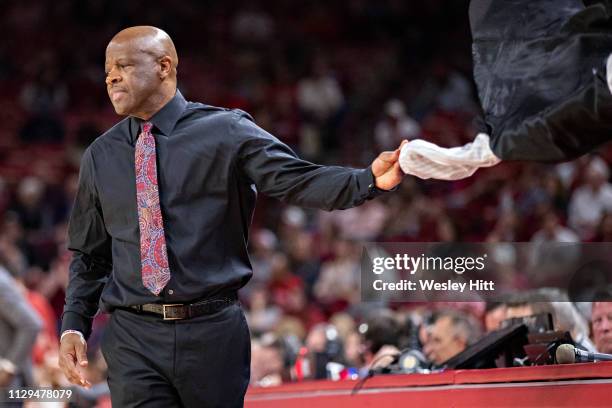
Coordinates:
180 311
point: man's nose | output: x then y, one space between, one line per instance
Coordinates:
606 324
113 77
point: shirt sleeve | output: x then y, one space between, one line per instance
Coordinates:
277 171
92 259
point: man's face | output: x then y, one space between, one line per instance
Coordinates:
494 318
132 77
442 343
602 326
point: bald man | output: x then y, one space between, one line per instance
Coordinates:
601 317
159 232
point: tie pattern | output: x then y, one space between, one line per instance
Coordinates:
153 252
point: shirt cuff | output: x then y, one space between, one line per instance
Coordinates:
74 332
367 180
75 321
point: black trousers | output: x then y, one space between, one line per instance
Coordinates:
200 362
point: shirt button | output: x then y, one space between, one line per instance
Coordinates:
170 292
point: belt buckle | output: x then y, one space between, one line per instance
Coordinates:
166 317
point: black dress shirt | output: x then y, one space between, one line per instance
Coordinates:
211 164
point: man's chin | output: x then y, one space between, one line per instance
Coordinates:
121 110
606 347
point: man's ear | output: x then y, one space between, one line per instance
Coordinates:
165 67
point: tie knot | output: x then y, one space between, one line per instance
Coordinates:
146 127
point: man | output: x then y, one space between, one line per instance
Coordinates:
159 231
450 334
591 199
380 335
601 317
553 231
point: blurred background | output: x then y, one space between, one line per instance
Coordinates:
339 81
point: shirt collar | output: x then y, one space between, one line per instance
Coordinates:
164 120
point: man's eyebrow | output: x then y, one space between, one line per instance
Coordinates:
120 60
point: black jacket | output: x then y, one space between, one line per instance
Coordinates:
539 66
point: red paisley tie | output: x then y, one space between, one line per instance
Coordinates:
153 252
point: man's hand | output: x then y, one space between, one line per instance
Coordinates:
386 169
384 357
7 372
72 355
6 378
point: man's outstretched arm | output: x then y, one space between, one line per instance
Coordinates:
276 171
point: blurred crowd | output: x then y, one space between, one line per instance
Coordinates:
339 82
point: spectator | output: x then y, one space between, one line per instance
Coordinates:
324 346
395 126
283 284
506 229
47 93
30 206
290 327
380 335
553 231
319 94
601 318
264 244
591 199
304 260
353 350
267 362
45 98
450 334
252 25
320 100
292 221
338 283
363 223
262 316
494 316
